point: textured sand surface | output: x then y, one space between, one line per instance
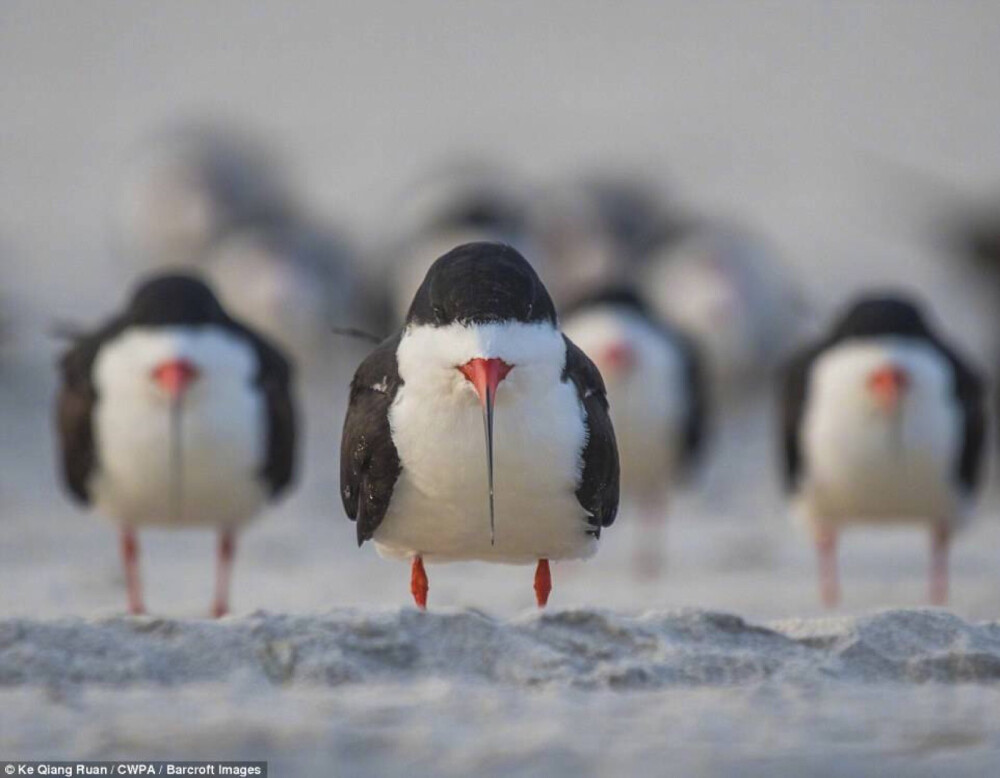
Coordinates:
582 692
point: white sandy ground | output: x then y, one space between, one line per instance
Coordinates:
801 117
580 692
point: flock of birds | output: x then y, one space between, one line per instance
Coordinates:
504 418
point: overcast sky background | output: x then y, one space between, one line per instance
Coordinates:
790 114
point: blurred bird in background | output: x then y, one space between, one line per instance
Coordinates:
192 184
724 286
173 414
593 229
658 400
882 422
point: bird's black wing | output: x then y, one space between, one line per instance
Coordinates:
274 379
369 463
696 423
970 390
598 490
74 416
795 384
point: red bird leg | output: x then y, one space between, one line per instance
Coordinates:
130 559
224 572
543 582
418 583
829 586
940 540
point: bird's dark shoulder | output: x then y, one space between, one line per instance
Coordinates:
275 375
369 462
794 385
75 409
599 482
970 390
697 421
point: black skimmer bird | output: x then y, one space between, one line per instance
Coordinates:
882 422
173 414
658 401
480 339
723 285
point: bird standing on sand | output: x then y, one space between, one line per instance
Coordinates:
173 414
480 340
882 422
658 401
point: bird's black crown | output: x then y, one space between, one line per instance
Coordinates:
477 283
174 299
885 314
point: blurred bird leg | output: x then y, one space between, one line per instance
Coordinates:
829 586
940 542
130 559
224 570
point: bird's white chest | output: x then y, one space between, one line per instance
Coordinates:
864 464
440 506
198 464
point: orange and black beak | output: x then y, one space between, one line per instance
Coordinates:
485 375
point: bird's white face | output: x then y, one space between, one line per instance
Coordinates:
618 341
163 365
881 431
647 387
439 361
884 377
179 427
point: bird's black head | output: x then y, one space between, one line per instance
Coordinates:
479 283
886 314
174 299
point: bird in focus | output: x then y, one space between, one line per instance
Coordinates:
480 356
